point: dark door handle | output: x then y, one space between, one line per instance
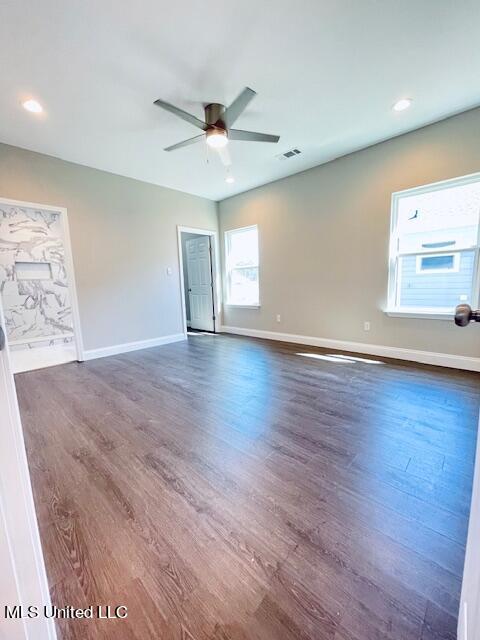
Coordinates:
2 339
464 315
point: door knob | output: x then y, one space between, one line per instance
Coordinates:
2 339
464 315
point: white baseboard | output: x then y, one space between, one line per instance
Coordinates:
114 350
414 355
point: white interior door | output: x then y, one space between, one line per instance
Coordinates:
22 573
200 292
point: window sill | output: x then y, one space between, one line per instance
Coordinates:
427 315
242 306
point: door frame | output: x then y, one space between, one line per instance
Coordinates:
24 580
67 245
469 614
216 274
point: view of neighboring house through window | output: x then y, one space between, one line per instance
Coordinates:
434 247
241 259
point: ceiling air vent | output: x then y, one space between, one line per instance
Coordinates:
289 154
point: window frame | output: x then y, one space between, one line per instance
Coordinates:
228 269
394 276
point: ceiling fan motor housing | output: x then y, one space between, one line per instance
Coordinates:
214 115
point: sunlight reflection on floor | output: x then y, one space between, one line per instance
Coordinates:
201 333
340 359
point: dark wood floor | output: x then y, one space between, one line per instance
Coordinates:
233 489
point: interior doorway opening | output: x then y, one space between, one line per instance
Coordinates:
37 286
198 268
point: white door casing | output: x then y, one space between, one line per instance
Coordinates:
469 614
22 570
199 270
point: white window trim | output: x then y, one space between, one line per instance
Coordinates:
454 269
436 314
413 312
227 269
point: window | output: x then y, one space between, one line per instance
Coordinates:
443 263
241 259
434 247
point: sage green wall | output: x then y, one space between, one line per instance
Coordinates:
324 237
124 236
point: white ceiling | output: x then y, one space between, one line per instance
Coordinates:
326 73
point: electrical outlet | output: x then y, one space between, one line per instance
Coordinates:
366 325
279 317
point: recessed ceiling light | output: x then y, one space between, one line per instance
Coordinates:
230 179
402 104
33 106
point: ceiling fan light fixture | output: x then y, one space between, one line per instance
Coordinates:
217 138
229 179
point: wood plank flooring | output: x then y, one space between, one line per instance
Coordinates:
227 488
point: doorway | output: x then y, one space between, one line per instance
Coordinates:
24 580
37 286
198 269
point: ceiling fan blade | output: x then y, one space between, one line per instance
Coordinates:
251 136
182 114
225 157
185 143
238 106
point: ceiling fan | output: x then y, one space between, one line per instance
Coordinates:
216 128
